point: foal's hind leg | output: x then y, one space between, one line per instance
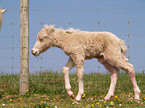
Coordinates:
114 71
129 69
114 75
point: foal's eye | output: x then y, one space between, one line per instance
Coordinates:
41 39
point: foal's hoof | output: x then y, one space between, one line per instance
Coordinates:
108 97
72 96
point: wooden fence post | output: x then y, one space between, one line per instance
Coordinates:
24 46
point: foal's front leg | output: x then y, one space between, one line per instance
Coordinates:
78 60
80 72
66 70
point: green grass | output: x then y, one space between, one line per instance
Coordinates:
47 91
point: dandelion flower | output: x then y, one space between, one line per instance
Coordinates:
84 95
27 90
116 96
97 103
111 102
41 101
92 105
11 100
104 102
100 105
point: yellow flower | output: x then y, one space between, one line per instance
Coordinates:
27 90
100 105
47 98
92 105
41 101
104 102
20 100
86 106
111 102
46 107
11 100
84 95
97 103
116 96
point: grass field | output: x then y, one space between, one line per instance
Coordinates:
47 91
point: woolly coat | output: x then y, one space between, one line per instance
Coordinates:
88 45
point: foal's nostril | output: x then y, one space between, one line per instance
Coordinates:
33 52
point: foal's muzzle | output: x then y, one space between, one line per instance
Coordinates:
35 52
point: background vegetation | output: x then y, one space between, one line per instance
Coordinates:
47 91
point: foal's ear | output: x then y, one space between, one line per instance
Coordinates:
46 26
53 26
50 29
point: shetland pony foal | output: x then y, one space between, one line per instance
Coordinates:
81 45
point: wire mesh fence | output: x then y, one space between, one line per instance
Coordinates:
127 22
